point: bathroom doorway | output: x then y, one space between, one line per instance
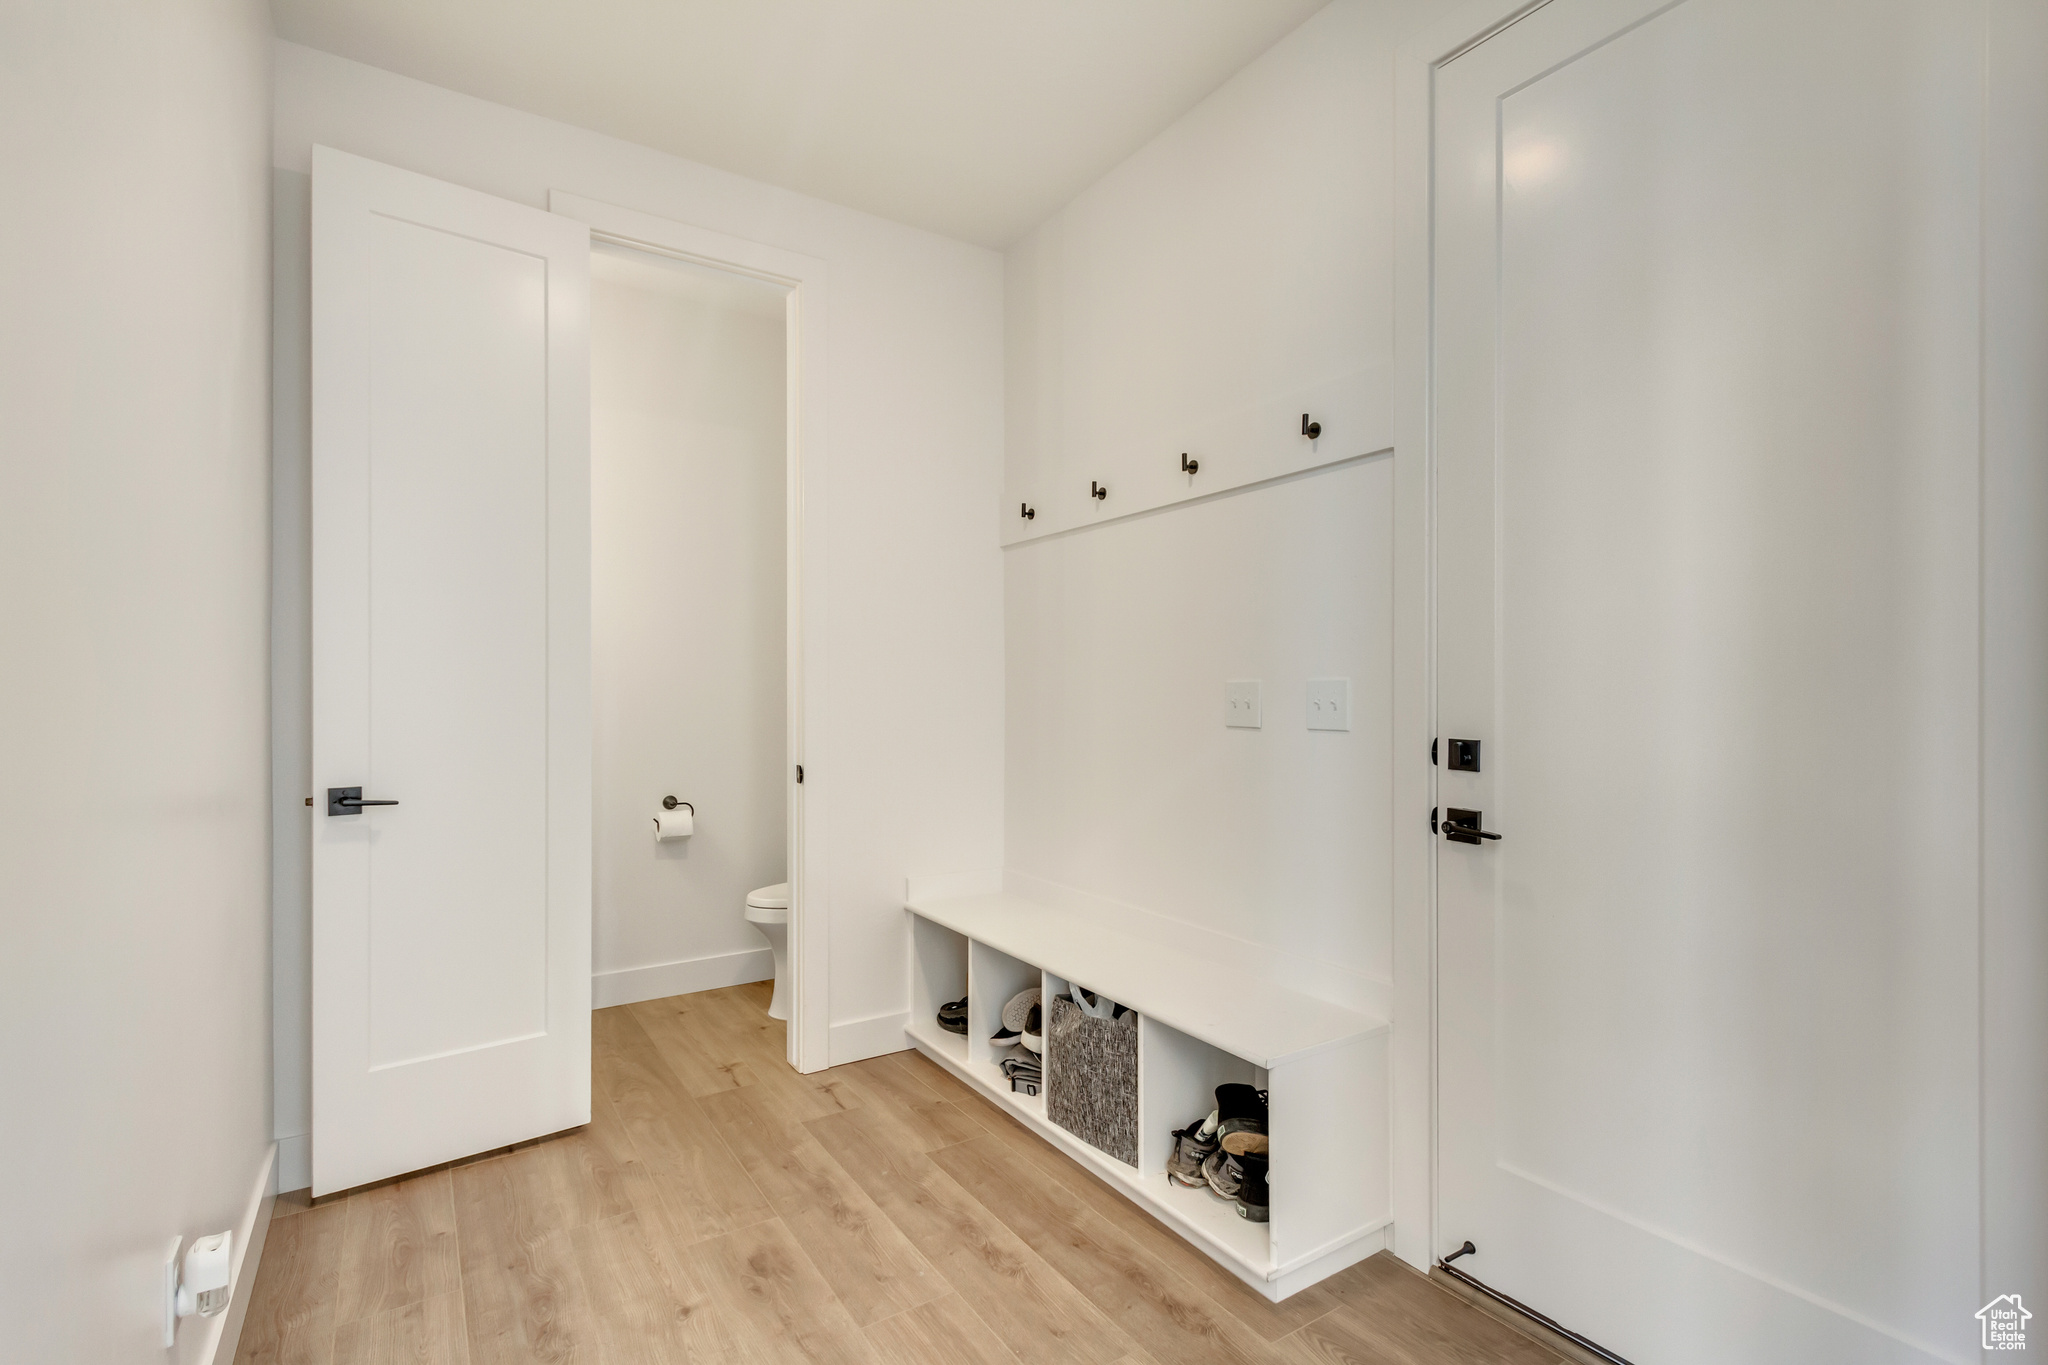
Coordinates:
697 642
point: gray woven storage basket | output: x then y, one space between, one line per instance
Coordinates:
1091 1078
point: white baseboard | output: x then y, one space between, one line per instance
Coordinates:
224 1333
294 1163
662 979
856 1040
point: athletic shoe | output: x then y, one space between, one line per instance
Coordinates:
1253 1200
1241 1180
1242 1109
953 1015
1191 1146
1223 1174
1022 1022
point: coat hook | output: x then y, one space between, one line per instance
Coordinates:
1310 429
1097 491
1188 466
1026 511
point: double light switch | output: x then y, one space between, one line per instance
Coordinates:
1328 704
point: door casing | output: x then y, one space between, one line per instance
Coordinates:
804 540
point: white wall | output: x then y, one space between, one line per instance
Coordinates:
2015 929
912 640
688 613
1124 781
1243 255
134 1007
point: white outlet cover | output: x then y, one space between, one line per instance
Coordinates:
171 1292
1329 703
1241 704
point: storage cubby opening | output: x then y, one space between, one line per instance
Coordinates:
1179 1076
1100 1102
938 975
993 978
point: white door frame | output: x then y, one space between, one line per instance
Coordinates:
804 276
1414 1033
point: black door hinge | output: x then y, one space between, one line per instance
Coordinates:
1432 753
1432 820
799 774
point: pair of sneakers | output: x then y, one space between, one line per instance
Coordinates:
1226 1152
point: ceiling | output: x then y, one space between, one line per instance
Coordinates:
974 118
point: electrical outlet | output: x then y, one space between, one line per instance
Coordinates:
1241 704
171 1292
1329 703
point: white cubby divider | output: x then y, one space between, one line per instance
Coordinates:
1201 1022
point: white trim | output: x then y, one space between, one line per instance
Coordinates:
658 980
295 1162
1253 447
810 911
856 1040
1341 1257
250 1233
946 885
1414 871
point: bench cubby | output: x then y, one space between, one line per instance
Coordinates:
1201 1023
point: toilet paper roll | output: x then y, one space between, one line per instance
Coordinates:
673 824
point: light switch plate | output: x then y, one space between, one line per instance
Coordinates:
1241 704
1329 703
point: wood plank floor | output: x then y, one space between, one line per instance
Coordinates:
721 1207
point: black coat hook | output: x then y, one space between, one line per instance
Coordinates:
1097 491
1188 466
1026 511
1310 429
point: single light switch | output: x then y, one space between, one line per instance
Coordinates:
1329 703
1241 703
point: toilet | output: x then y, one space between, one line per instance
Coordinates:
768 911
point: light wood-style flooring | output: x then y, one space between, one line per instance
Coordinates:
721 1207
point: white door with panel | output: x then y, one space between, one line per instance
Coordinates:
1705 430
451 672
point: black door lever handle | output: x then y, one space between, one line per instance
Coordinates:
1462 826
349 800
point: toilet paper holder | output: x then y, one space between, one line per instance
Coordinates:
670 803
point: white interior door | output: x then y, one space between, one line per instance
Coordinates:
1706 524
451 672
